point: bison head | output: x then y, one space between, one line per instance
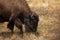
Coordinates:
32 23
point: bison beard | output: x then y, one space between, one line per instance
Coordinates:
10 10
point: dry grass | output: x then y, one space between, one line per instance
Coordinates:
49 23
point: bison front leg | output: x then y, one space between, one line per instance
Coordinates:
18 24
11 21
11 24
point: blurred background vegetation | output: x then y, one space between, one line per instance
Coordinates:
49 23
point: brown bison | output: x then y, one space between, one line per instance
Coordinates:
17 12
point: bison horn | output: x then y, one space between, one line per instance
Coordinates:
32 15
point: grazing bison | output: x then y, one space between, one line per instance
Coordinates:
12 10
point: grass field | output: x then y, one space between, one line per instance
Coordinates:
49 22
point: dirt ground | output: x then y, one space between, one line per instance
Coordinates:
49 22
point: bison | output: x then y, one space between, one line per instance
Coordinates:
17 12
